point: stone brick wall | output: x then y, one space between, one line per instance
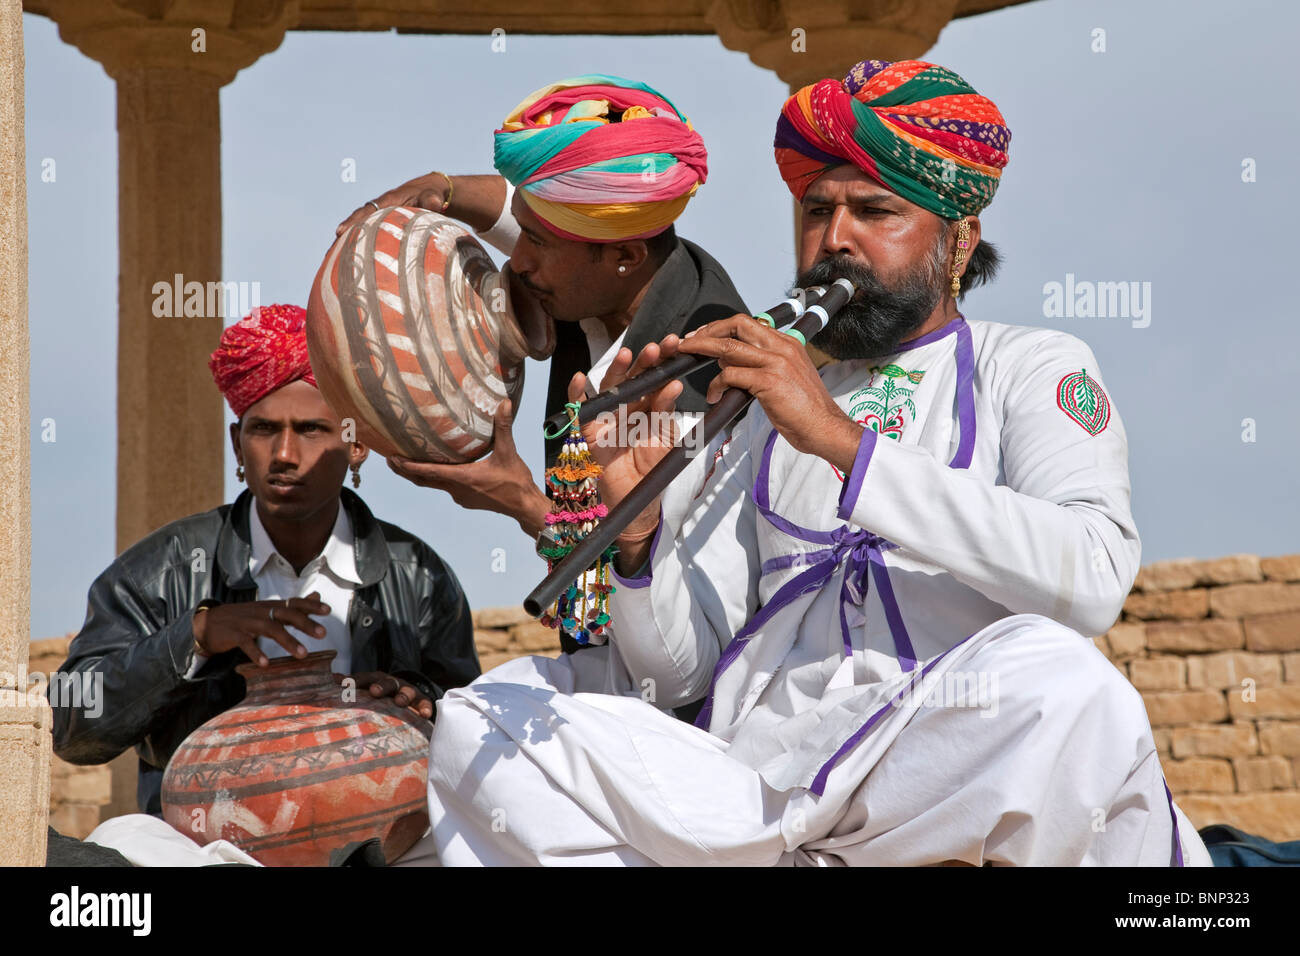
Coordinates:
1213 646
504 633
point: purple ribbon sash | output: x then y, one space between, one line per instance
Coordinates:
863 550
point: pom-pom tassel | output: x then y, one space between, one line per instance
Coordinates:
582 611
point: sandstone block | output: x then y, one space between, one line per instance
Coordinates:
1215 740
45 664
1127 639
1103 645
1273 632
1274 815
1187 573
1199 775
534 636
1231 569
1267 597
1281 702
1171 605
493 617
1166 575
1263 773
489 640
50 647
1163 737
1185 707
89 785
75 819
1280 738
1227 670
495 659
1195 636
1291 668
1285 568
1158 673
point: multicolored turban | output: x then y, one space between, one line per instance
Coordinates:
265 350
599 158
916 128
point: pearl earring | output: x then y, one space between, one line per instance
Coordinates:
622 268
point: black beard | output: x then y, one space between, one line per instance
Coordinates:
878 317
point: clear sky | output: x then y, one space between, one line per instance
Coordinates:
1126 166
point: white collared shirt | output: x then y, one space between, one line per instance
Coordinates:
333 573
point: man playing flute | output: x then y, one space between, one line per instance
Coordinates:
881 581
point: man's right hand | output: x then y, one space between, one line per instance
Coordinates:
422 192
226 626
476 200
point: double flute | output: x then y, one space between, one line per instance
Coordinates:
792 309
734 401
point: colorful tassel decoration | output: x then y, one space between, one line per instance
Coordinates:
582 611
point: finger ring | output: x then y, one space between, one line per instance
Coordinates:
271 613
371 202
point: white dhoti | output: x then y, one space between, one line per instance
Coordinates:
524 771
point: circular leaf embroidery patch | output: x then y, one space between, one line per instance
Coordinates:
1083 399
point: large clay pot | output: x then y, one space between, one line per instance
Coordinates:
415 336
293 772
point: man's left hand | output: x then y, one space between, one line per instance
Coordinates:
379 684
776 370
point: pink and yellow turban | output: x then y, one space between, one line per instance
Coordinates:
265 350
599 158
918 129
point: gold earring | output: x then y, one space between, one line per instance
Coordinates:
356 476
963 243
239 474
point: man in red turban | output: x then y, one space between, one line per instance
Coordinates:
265 351
296 564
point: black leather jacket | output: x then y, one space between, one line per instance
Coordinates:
408 617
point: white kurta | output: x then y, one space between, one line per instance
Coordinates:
894 659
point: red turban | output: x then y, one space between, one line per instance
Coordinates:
265 350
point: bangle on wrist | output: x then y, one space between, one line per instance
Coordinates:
624 540
446 201
203 606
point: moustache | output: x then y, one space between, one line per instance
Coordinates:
865 280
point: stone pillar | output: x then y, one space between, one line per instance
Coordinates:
170 61
803 41
24 722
